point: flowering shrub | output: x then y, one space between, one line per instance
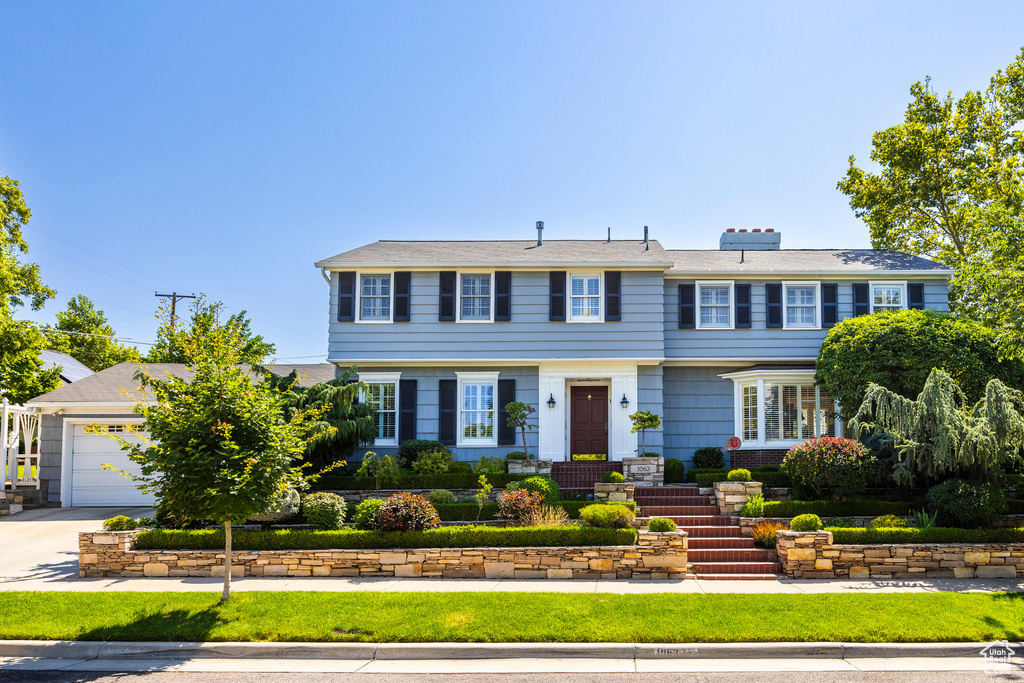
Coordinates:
519 506
829 463
764 534
407 512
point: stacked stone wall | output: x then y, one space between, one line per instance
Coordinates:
644 472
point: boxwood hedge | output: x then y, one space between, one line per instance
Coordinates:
769 479
853 536
838 508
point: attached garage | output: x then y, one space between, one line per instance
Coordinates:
91 484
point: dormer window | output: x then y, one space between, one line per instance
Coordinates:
585 298
375 298
714 300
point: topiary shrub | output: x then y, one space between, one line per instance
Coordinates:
708 458
661 525
675 471
456 467
542 485
612 478
887 522
432 462
754 507
519 506
365 517
607 516
739 475
407 512
285 507
960 504
805 523
441 497
120 523
324 510
409 451
764 534
837 465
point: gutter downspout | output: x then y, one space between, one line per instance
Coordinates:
327 278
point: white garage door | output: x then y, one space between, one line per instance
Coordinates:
91 484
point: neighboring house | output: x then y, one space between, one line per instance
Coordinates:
720 343
72 456
70 369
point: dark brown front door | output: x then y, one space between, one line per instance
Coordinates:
588 426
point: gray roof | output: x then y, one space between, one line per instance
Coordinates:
801 261
501 252
70 369
117 384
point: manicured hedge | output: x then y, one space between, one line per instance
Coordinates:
1014 507
444 537
466 512
769 479
838 508
416 481
934 535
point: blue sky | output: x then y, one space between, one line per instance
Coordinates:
224 147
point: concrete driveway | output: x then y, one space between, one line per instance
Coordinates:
43 544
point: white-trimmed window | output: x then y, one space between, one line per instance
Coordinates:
375 297
748 407
476 297
585 298
382 393
802 301
714 305
888 296
779 409
478 395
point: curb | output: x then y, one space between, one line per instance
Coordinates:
56 649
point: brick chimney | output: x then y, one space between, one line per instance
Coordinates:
754 240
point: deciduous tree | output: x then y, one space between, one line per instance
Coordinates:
82 331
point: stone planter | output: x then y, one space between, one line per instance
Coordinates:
731 495
644 471
530 468
613 493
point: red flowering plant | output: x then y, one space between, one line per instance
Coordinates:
520 506
407 512
839 466
764 534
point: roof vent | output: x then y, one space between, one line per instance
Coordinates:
754 240
540 231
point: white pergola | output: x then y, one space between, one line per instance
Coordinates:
17 423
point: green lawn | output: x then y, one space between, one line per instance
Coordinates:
507 617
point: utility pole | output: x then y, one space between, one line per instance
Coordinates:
174 296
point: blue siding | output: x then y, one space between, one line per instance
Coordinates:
698 410
649 396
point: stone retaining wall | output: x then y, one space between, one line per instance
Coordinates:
812 555
747 524
614 493
647 471
655 556
530 468
731 495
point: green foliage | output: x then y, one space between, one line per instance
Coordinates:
767 468
120 523
642 421
21 373
754 507
518 417
607 515
855 536
147 523
324 510
482 494
542 485
284 507
709 477
805 523
176 342
675 471
456 467
441 497
518 455
83 332
519 506
407 512
414 481
764 534
365 516
835 508
839 466
432 462
661 525
708 458
922 520
887 522
409 450
739 475
898 351
489 466
612 478
467 511
960 504
940 435
381 468
444 537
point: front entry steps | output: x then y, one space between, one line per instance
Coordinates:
717 549
577 479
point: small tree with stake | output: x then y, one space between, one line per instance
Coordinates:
642 421
518 417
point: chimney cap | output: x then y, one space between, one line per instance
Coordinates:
731 230
540 225
769 229
756 230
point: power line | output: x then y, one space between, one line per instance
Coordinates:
54 330
174 296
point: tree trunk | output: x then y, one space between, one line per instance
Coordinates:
227 563
525 452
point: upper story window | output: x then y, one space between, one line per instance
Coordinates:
888 296
802 302
477 395
375 298
585 298
476 297
382 393
714 304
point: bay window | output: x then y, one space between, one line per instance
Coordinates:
782 409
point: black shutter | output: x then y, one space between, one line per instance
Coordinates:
556 296
403 282
686 308
447 390
742 306
773 297
406 410
915 295
860 299
503 296
346 297
612 295
829 305
506 394
446 303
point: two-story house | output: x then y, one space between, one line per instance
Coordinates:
720 343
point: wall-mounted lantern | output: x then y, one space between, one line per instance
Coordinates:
624 402
551 401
